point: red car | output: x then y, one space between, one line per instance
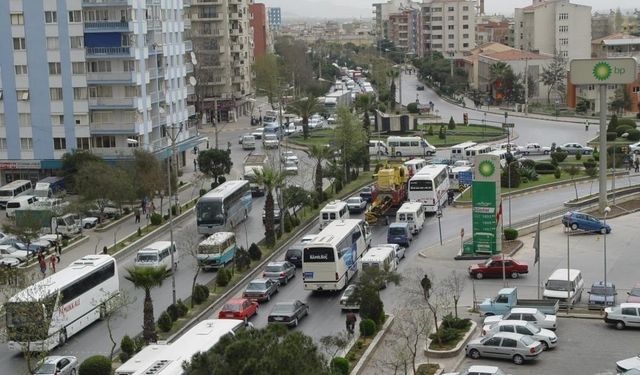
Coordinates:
238 308
493 267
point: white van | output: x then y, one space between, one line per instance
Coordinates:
565 286
334 210
158 254
21 202
248 142
378 148
414 165
458 151
381 257
411 213
476 150
502 155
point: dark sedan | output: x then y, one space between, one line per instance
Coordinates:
261 290
288 313
294 255
367 193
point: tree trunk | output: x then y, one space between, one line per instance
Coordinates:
149 324
193 283
110 331
305 127
269 233
318 182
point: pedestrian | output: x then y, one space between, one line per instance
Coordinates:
351 322
40 256
152 209
53 260
207 143
43 267
636 165
138 214
58 248
195 165
450 196
143 205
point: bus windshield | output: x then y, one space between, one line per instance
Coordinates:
319 255
425 185
210 212
210 249
147 258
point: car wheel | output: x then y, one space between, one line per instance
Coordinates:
479 275
295 322
603 230
517 359
574 226
514 275
87 226
268 297
546 152
398 153
545 346
620 325
473 353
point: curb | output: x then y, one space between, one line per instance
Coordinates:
359 367
113 223
452 352
66 248
481 257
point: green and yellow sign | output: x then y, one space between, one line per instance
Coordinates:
603 71
486 205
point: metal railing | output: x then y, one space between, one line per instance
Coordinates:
112 102
106 25
108 51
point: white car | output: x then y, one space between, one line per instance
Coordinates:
308 238
534 149
625 315
547 338
462 163
574 148
58 365
479 370
635 148
8 251
9 261
290 168
399 250
258 133
533 316
344 304
628 364
289 156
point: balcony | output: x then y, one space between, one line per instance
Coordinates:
154 25
237 47
91 3
111 77
188 46
112 103
186 3
114 152
206 17
106 26
234 16
156 73
189 67
113 128
235 32
191 90
108 51
206 2
187 23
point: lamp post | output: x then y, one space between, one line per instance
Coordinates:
439 215
604 242
173 138
506 116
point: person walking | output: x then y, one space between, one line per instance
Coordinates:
351 322
138 213
43 266
58 248
53 260
636 165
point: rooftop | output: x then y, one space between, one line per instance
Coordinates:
515 54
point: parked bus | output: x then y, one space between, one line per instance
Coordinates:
471 152
224 207
429 186
217 250
414 165
330 260
458 151
167 358
46 314
409 146
49 187
14 189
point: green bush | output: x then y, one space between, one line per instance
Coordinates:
452 124
613 124
242 259
351 356
95 365
166 217
126 210
445 335
359 344
339 366
222 179
510 177
545 168
214 185
589 163
510 234
559 156
172 310
578 155
626 122
139 232
200 294
287 222
127 348
430 130
413 107
223 277
634 135
182 308
254 252
621 129
611 136
156 219
450 321
65 242
557 173
529 173
367 327
165 322
592 172
442 133
528 163
202 192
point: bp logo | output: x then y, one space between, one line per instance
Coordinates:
602 71
486 168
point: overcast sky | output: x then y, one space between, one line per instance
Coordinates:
362 8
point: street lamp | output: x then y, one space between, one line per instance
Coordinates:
604 241
506 116
173 136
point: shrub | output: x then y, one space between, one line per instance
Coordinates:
65 242
529 173
626 122
545 168
359 344
613 124
621 129
156 219
611 136
223 277
592 172
200 294
524 180
165 217
413 108
554 162
182 308
450 321
287 222
126 210
214 185
430 130
444 335
442 133
367 327
222 179
351 356
127 348
95 365
634 135
164 322
510 234
254 252
578 155
452 124
175 210
557 173
202 192
139 232
172 310
527 163
559 156
510 176
242 259
339 366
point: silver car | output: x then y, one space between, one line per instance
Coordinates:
281 272
58 365
344 299
513 346
479 370
547 338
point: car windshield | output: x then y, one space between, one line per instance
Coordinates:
635 292
147 258
232 307
561 285
257 285
396 231
46 368
273 268
353 200
527 340
533 328
602 291
283 308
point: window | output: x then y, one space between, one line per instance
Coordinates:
82 143
59 144
494 341
57 120
564 41
451 45
80 93
50 16
101 66
450 18
465 18
528 317
26 143
435 19
131 92
465 8
78 68
451 36
22 94
509 343
636 89
24 119
104 141
629 311
450 9
565 53
76 41
75 16
19 44
21 70
81 119
55 93
55 68
450 27
563 29
506 329
81 286
465 36
563 16
52 42
129 66
465 27
17 19
3 143
523 330
101 92
465 45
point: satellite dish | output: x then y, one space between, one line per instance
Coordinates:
193 81
193 56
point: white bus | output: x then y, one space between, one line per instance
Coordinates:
472 152
334 210
429 186
47 313
458 151
167 358
224 207
413 214
14 189
409 146
330 260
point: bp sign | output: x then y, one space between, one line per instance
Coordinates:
603 71
486 205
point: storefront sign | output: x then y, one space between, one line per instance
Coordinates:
19 164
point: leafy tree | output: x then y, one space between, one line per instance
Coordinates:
267 72
514 175
271 179
148 174
100 183
71 164
367 292
498 74
452 124
413 107
318 153
296 69
613 124
304 108
147 278
366 104
296 196
26 228
214 163
350 139
554 75
95 365
621 100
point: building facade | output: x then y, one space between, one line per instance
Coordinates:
448 26
496 31
404 30
274 17
258 23
104 76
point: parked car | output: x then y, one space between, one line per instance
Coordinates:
344 299
294 255
574 148
495 266
257 133
505 345
635 148
289 156
479 370
33 247
9 261
58 365
288 313
545 336
633 371
533 316
625 315
281 272
8 251
634 294
420 88
628 364
600 297
356 204
367 193
238 308
578 220
534 149
261 289
85 222
290 168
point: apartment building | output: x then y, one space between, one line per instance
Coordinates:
493 30
258 23
223 46
382 12
448 26
274 17
107 76
404 30
554 26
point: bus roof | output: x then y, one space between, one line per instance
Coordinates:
429 171
160 359
464 145
377 254
62 278
51 179
497 152
334 232
478 147
334 206
158 245
410 206
14 184
398 137
225 189
415 161
217 238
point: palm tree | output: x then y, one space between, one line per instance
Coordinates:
304 108
393 74
498 73
366 104
319 153
147 278
271 179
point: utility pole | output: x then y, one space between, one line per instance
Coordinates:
526 85
173 138
214 119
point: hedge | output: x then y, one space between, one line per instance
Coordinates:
367 327
510 234
95 365
545 168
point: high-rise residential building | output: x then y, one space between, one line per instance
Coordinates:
554 26
449 26
223 46
274 16
404 30
101 75
258 22
382 11
492 30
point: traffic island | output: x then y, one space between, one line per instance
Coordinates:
509 248
367 348
452 339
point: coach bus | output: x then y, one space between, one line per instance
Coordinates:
429 186
224 207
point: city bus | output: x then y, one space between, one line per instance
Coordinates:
14 189
47 313
330 260
167 358
217 250
224 207
429 186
